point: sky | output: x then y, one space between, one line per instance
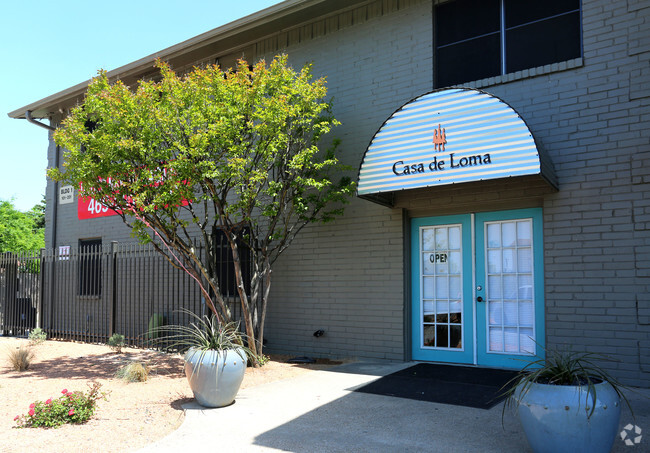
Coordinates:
47 47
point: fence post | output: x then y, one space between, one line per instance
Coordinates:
39 306
113 287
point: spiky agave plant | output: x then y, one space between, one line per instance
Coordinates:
202 334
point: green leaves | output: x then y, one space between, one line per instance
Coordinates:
21 231
212 150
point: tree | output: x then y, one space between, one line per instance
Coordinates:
19 231
233 152
38 215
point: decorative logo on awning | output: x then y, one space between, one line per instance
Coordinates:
439 139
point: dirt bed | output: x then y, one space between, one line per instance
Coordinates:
134 414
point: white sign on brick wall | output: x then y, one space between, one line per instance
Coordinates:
66 194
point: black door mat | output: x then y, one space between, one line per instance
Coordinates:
458 385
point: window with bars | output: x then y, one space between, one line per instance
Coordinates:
225 266
90 267
476 39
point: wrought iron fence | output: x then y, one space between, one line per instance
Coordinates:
89 293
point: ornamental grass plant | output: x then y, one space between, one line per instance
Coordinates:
133 372
71 407
21 358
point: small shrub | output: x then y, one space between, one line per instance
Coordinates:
263 359
21 358
133 372
116 342
71 407
37 336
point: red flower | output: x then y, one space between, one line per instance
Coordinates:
71 412
31 412
16 417
64 391
49 401
32 406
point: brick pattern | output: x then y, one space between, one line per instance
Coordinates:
591 117
346 278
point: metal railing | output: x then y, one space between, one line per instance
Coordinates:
89 293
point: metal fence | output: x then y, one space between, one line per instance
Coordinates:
89 293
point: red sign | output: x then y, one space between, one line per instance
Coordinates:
89 208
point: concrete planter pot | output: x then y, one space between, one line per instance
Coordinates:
556 418
215 375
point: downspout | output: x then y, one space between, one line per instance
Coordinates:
28 116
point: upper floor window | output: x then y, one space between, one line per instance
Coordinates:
476 39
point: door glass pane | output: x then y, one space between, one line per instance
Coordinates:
494 261
455 263
441 283
454 287
441 239
524 260
510 286
442 288
427 287
511 339
509 265
495 315
428 266
455 337
526 341
496 339
508 236
494 235
494 287
454 238
428 240
429 335
526 314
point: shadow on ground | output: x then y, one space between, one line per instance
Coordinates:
99 366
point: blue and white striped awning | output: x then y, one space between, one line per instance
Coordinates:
446 137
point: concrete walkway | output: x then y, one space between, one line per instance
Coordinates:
319 412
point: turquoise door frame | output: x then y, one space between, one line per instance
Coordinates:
425 353
475 335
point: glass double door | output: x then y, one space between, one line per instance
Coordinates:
477 288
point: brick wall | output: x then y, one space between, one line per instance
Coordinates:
347 277
591 117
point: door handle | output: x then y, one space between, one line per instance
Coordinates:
479 299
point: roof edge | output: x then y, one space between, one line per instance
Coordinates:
248 22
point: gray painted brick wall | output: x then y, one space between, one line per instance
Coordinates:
349 274
591 115
593 122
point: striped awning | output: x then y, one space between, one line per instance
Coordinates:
447 137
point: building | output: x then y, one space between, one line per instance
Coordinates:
504 183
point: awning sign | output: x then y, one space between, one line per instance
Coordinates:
446 137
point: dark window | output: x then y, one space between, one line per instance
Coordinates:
475 39
225 266
90 267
